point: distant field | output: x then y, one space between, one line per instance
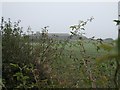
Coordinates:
69 68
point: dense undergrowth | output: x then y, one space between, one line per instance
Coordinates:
47 62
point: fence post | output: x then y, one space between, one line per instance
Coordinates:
118 45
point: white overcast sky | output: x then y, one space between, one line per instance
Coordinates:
60 15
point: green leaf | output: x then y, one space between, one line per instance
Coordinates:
14 65
25 77
18 74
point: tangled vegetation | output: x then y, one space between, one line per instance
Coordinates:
49 62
